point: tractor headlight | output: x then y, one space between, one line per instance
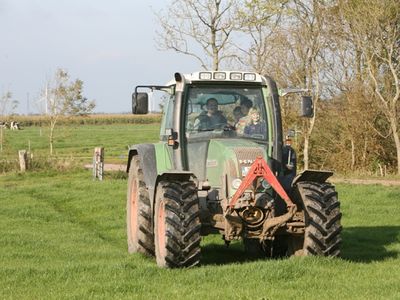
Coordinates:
265 184
236 183
245 170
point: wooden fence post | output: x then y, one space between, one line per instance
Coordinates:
98 163
23 160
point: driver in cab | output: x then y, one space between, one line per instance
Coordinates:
212 118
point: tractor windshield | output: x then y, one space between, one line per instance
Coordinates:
226 112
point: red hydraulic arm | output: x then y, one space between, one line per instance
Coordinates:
260 169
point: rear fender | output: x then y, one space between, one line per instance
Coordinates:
148 164
176 176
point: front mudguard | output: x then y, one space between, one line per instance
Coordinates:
315 176
290 180
312 176
289 183
180 176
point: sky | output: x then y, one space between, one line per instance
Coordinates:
109 45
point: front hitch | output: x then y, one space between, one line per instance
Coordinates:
234 225
260 169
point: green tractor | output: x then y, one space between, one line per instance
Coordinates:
221 166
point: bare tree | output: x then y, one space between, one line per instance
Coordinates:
376 29
287 42
64 97
348 87
298 57
7 104
7 107
198 28
259 21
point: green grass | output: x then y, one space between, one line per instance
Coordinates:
77 142
63 236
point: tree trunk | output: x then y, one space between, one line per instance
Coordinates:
215 61
51 136
311 123
214 50
353 155
1 139
397 142
396 138
51 142
364 155
305 151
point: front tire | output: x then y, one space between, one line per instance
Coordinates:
139 216
177 225
322 220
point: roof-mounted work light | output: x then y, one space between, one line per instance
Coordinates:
220 75
249 76
235 76
205 75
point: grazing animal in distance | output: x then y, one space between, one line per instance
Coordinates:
14 125
3 124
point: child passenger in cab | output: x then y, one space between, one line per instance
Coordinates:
244 118
256 125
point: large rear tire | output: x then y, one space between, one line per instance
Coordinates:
177 225
139 215
322 220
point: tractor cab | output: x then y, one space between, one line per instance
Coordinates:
210 117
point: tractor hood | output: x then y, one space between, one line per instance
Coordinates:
218 160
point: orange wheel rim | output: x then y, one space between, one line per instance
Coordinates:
134 208
161 231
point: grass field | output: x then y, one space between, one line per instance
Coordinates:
62 235
77 142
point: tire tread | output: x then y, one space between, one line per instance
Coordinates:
322 218
182 221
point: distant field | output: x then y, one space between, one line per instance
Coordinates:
96 119
78 141
63 236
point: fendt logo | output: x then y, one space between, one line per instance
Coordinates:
246 161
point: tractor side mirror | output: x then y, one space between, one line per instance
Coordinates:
140 103
307 107
291 133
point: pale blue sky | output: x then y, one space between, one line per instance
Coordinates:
110 45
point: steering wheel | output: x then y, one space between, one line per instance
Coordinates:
229 127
